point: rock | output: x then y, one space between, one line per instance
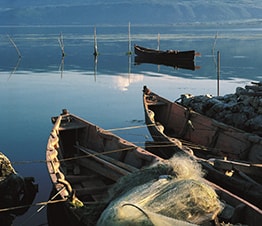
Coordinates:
242 109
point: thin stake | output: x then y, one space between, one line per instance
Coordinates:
158 41
214 46
95 43
61 44
13 43
218 71
129 40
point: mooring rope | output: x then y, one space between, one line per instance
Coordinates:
156 145
35 204
50 201
163 144
114 129
130 127
44 204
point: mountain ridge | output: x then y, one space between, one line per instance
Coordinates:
82 12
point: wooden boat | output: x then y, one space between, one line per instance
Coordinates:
84 162
164 55
17 192
207 137
178 129
183 64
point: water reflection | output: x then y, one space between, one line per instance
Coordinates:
40 49
95 66
176 64
113 99
15 67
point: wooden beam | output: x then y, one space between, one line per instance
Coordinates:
105 158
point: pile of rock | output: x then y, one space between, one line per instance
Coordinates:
243 109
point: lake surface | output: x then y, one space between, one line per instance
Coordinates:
107 93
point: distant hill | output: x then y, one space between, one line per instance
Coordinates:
87 12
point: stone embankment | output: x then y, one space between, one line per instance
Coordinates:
243 109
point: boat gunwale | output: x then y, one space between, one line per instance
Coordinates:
58 178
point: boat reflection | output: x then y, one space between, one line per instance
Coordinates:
183 64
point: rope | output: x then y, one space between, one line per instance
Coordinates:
158 145
190 145
76 157
36 204
27 162
44 204
140 209
130 127
115 129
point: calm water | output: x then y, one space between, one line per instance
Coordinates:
108 93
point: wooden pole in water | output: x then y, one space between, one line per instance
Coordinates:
129 40
61 44
13 43
95 43
218 71
158 41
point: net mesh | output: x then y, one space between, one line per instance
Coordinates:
164 194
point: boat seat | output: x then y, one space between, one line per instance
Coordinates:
106 158
95 190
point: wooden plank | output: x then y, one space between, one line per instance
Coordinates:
108 159
95 190
78 178
250 169
104 169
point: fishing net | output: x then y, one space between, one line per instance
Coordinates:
172 192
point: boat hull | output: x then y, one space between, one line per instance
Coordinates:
175 129
84 163
171 55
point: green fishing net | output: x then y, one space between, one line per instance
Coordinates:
169 193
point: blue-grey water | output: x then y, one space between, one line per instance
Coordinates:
108 93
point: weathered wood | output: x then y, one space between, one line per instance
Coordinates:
104 168
79 178
106 158
219 140
248 168
181 123
92 190
95 173
188 55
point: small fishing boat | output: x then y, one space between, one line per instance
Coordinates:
177 64
207 137
17 192
164 55
229 150
86 163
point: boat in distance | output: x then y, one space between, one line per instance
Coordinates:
85 162
165 55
